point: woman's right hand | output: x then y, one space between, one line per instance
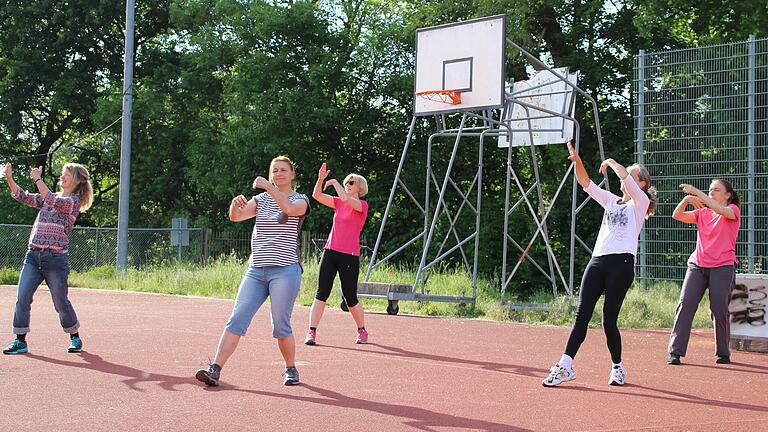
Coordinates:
239 202
572 155
694 201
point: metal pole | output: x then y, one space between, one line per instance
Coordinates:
639 147
125 142
751 158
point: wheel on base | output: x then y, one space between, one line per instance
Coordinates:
392 308
344 306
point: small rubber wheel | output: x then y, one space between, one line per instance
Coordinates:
393 308
344 306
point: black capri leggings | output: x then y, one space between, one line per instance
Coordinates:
348 268
612 275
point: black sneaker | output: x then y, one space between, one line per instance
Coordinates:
16 347
209 375
723 359
291 376
674 359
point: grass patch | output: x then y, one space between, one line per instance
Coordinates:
653 307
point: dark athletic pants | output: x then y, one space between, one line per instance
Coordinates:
348 268
612 275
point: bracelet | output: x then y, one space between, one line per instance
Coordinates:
38 180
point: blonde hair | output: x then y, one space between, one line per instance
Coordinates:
83 189
653 195
360 181
287 160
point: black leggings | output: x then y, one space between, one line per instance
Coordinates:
612 275
348 268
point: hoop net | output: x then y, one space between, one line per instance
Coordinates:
451 97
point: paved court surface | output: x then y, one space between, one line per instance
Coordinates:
418 374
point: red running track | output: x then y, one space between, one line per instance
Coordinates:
417 374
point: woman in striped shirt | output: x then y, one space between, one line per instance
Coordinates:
274 268
48 256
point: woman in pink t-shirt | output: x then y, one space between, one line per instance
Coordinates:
342 250
711 265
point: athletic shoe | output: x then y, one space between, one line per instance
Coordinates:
16 347
362 336
291 376
209 375
674 359
311 338
720 359
617 376
558 375
75 345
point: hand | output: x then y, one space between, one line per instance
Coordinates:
323 173
330 183
694 201
690 190
36 173
572 155
604 166
239 202
261 183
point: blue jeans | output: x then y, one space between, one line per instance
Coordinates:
280 284
54 269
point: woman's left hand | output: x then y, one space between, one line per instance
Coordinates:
690 190
604 166
261 183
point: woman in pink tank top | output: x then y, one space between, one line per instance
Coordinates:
712 264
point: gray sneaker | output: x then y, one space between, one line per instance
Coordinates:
209 375
291 376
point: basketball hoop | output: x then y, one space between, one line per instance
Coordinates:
451 97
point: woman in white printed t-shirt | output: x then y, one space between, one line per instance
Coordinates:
611 269
274 268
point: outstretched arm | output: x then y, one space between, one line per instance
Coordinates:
709 202
618 168
581 173
317 192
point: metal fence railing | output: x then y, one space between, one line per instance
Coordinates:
93 247
700 114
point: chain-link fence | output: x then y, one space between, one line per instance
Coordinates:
701 114
91 247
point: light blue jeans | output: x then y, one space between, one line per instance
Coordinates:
54 269
280 284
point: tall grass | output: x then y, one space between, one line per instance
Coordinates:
643 308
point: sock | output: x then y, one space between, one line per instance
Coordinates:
313 328
22 337
566 361
74 335
617 365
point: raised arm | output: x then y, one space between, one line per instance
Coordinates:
290 208
581 173
708 201
618 168
344 196
37 176
240 209
317 192
9 178
683 216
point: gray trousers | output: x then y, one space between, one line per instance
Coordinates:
720 281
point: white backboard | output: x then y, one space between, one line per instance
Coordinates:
547 91
468 57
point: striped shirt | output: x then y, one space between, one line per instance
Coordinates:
276 238
55 220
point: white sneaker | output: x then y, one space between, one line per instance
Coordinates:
617 376
558 375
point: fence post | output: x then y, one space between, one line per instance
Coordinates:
751 158
639 147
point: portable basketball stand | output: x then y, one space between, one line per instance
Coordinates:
460 70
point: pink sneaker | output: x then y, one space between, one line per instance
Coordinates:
311 337
362 336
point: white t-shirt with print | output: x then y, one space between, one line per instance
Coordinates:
622 223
